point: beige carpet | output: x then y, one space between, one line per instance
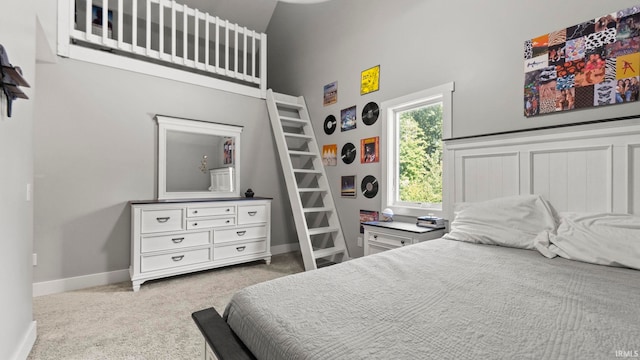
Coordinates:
113 322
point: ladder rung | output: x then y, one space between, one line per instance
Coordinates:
322 230
293 120
299 136
288 104
302 153
307 171
307 190
317 209
320 253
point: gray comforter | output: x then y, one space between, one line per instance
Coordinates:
444 299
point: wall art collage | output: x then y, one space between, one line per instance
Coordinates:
369 148
591 64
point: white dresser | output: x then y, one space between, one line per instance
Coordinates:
171 237
382 236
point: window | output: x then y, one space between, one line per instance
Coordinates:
413 133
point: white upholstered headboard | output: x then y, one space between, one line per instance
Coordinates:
582 168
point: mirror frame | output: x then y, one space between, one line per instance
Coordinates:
168 123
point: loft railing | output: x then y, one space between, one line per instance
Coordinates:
167 34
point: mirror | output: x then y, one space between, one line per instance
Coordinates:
197 159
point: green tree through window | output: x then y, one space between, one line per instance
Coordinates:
420 166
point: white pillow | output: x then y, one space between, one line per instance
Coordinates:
604 239
513 221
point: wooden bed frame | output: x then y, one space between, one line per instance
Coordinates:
586 168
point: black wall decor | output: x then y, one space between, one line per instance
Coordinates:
11 78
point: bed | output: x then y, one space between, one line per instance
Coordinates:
554 275
458 299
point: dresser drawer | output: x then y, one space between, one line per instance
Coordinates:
208 223
375 248
252 214
388 241
229 251
193 211
246 233
167 261
161 220
169 242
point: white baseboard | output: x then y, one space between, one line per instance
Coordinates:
285 248
25 346
112 277
80 282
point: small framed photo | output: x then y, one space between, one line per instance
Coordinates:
369 150
330 94
348 186
348 118
97 21
370 80
330 155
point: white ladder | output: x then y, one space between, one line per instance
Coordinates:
317 223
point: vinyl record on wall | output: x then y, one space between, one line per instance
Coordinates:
369 186
330 124
348 153
370 113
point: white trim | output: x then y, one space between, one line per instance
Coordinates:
443 93
285 248
113 277
537 137
165 124
65 14
26 345
80 282
630 189
144 67
613 189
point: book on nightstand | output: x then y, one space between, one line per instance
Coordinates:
430 222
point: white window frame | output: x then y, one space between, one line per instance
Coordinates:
390 110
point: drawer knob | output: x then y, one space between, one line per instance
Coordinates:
177 258
402 242
163 219
195 224
241 233
177 240
228 221
375 236
195 211
241 248
252 213
228 210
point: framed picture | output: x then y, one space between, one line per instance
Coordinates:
367 215
369 150
330 155
228 151
348 186
97 21
348 118
370 80
330 93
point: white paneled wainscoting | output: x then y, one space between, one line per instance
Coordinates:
164 38
588 168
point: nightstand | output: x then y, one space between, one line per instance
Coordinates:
382 236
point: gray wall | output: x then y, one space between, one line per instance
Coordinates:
95 149
418 44
17 35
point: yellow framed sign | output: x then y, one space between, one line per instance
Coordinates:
370 80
